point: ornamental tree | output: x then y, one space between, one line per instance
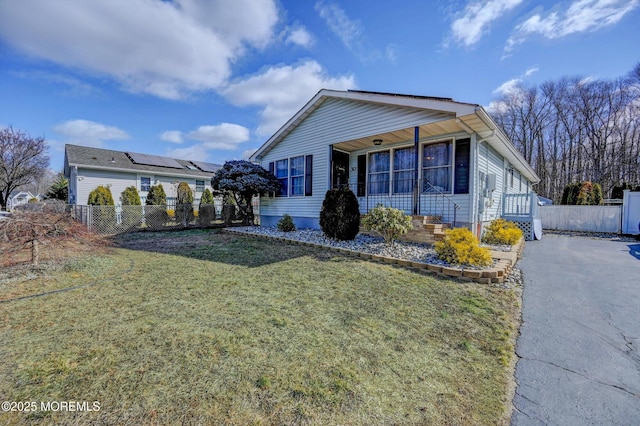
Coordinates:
59 189
244 180
156 196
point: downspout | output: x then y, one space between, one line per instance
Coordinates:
416 189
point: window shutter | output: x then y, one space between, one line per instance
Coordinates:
308 175
461 164
272 170
362 175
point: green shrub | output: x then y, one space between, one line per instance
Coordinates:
502 231
156 196
460 247
101 196
206 209
207 197
340 214
389 222
184 204
582 193
130 197
286 224
156 217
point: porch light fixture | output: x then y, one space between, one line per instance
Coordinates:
377 142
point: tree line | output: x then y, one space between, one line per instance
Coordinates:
576 129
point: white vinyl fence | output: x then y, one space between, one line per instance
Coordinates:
582 218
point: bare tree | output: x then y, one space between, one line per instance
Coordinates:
576 129
22 160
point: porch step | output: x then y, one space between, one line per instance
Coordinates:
425 230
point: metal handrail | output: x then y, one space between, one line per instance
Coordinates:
421 198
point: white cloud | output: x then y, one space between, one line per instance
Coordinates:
513 89
514 85
340 24
221 136
477 17
282 91
248 153
581 16
507 87
73 86
89 133
167 49
300 36
173 136
197 152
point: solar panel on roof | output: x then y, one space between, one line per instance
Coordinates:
154 160
207 167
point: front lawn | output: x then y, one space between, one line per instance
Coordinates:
203 327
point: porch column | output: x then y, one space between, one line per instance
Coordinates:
416 181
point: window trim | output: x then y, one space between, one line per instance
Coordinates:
449 165
284 192
302 175
395 171
306 176
369 173
141 184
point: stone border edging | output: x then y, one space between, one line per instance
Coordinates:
506 260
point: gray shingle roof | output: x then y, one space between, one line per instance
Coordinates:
108 159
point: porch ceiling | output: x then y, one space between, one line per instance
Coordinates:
446 127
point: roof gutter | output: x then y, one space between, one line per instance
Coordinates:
118 169
497 131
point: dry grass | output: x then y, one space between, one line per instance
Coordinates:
201 327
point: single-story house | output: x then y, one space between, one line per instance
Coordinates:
87 168
428 156
18 198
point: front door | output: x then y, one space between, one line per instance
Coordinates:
339 169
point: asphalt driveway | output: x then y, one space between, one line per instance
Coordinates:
580 337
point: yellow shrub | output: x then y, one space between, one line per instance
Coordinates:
460 247
502 231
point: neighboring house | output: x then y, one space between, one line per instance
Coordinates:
18 198
427 156
87 168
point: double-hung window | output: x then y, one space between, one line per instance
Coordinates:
297 175
403 165
282 173
379 172
199 185
145 183
436 167
294 175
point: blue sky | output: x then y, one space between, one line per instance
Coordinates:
213 79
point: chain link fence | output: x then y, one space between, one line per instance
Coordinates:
121 219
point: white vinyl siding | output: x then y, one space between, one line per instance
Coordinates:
490 162
335 121
88 180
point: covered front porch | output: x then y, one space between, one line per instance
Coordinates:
423 170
